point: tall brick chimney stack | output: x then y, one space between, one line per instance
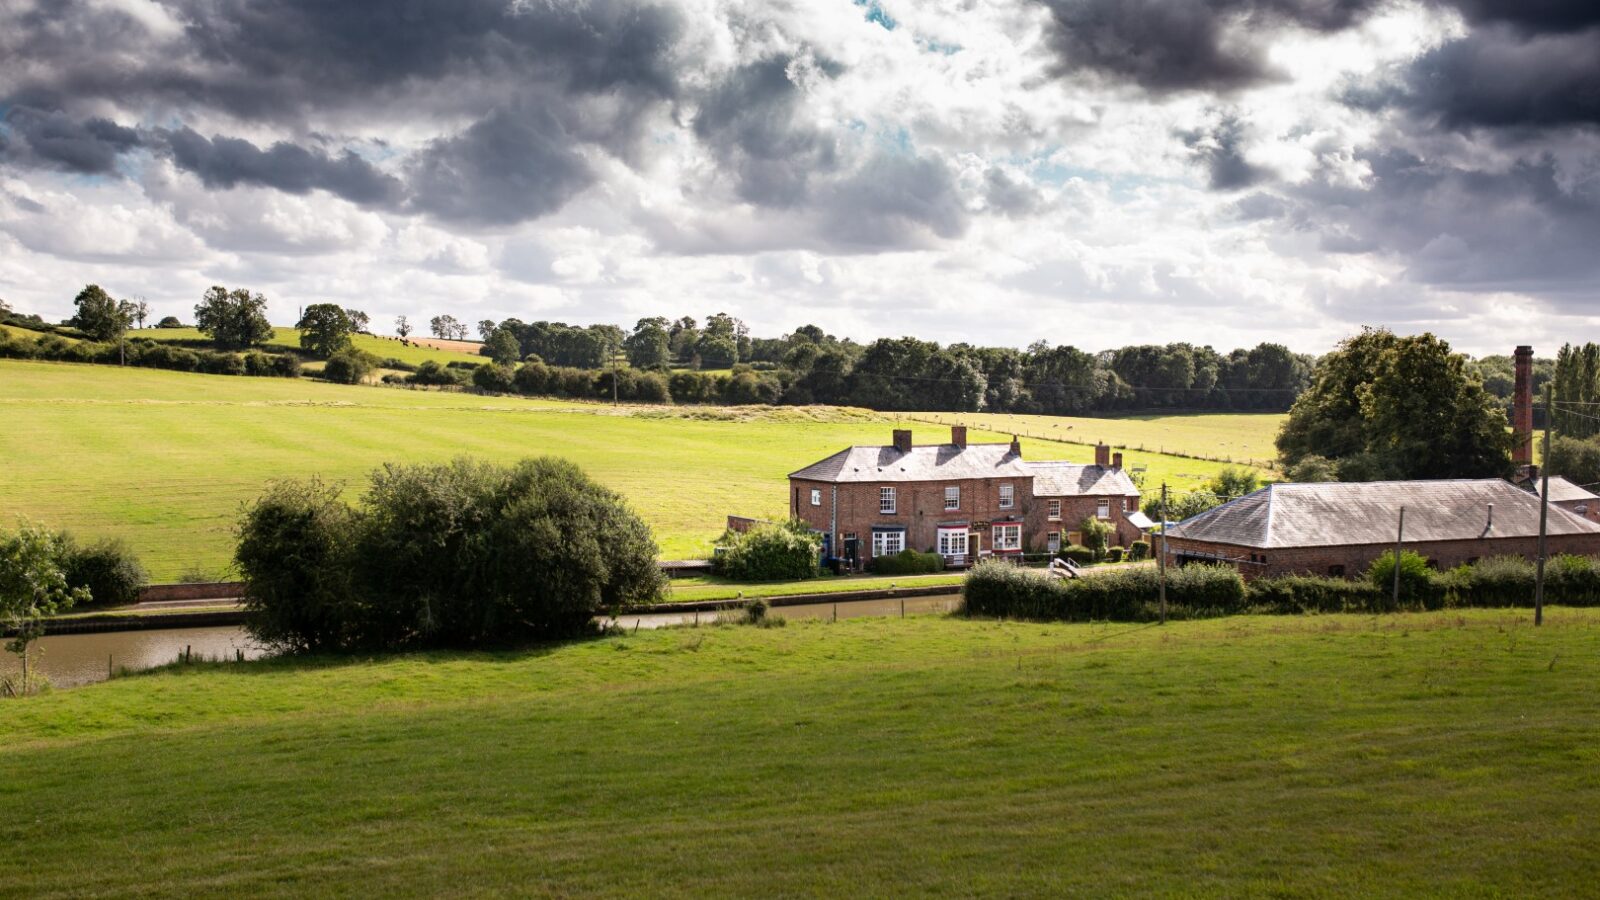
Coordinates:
902 440
1522 408
958 435
1102 455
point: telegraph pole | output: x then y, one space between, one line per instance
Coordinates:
1161 564
1399 537
1544 513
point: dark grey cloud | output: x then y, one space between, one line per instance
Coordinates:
224 162
1523 228
895 199
748 121
1500 77
53 139
1204 45
507 167
1008 195
1218 149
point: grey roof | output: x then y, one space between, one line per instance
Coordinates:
937 462
1333 514
1063 479
1139 520
1564 491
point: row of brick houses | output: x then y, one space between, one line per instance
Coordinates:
963 501
1340 528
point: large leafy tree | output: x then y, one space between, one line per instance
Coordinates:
1383 406
235 320
325 329
503 347
100 316
650 344
33 587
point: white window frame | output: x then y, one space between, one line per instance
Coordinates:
1052 541
1008 496
953 542
952 497
1102 508
1007 536
1125 502
816 496
1055 510
888 543
886 501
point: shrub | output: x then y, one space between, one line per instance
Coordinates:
1077 553
108 569
996 588
1114 554
169 322
258 363
908 562
1139 550
348 367
1096 536
459 555
769 552
430 372
494 378
1316 593
1418 587
222 364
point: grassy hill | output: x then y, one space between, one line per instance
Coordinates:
1425 754
284 338
1232 437
163 459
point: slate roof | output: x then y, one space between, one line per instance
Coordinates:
1335 514
1564 491
938 462
1062 479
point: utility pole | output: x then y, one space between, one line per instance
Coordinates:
614 374
1399 537
1544 513
1161 564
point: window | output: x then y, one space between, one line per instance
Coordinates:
952 498
1006 496
1102 509
953 542
1055 510
886 500
1008 537
816 497
1053 541
888 543
1125 506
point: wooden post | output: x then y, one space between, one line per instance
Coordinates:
1544 513
1161 564
1399 537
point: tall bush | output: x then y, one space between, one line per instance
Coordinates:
908 562
769 552
108 570
1418 587
996 588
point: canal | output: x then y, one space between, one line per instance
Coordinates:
70 660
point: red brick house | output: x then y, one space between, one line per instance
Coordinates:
1570 497
963 501
1340 528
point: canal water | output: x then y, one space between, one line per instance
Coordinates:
69 660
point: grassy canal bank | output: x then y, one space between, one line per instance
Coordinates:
1422 753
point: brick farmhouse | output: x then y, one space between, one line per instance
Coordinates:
1340 528
961 500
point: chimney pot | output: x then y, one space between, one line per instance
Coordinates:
958 435
902 440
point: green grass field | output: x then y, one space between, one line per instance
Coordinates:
284 338
164 459
1425 754
1237 437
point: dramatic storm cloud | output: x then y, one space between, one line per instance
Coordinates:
1095 172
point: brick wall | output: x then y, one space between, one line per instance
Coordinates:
919 508
1356 558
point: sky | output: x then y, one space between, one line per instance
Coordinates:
1085 172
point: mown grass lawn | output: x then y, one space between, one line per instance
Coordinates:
1422 754
163 459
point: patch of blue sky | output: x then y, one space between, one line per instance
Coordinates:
876 14
943 49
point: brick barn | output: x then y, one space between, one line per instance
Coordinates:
1340 528
963 501
1570 497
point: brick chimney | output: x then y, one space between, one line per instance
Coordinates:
1102 455
902 440
958 435
1522 408
1116 460
1016 446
